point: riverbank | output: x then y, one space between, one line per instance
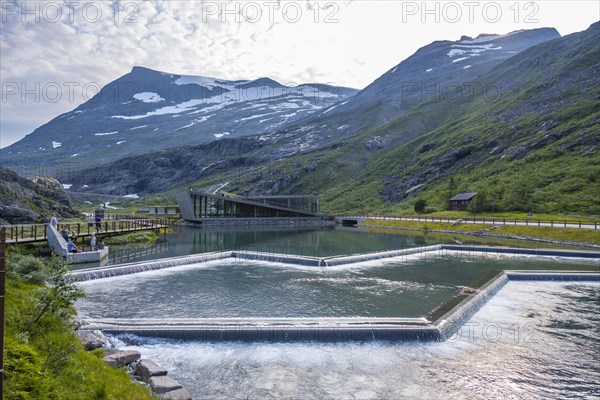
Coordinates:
43 357
563 236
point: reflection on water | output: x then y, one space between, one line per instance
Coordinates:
533 340
321 242
402 287
122 255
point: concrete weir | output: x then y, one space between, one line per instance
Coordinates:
324 329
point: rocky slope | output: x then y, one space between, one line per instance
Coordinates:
24 201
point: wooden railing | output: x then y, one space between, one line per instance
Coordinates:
490 220
39 232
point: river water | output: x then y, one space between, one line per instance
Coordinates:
320 242
410 286
533 340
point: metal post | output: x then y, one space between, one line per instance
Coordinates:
2 288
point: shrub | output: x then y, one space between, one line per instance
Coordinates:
26 268
420 206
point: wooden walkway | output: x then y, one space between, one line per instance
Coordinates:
30 233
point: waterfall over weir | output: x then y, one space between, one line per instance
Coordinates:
144 266
325 329
452 321
328 329
133 268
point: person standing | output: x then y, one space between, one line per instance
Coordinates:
90 222
98 220
93 242
54 221
74 236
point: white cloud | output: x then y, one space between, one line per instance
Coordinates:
184 37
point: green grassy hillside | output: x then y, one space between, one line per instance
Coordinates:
527 139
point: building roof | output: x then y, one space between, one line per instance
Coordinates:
463 196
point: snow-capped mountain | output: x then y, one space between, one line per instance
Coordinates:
441 72
147 110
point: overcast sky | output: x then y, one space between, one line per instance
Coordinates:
55 54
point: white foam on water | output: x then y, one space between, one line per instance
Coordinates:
152 274
555 362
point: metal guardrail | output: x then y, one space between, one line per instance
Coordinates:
491 220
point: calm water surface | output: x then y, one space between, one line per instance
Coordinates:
321 242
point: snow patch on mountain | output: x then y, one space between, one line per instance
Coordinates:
148 97
204 81
56 144
254 117
456 52
176 109
105 133
186 126
460 59
469 50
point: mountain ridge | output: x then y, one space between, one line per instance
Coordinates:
412 155
148 110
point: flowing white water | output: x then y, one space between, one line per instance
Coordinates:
532 340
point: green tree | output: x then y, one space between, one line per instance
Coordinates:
450 189
420 206
59 295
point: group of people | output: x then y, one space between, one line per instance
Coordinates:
71 237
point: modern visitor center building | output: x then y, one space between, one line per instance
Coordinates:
197 206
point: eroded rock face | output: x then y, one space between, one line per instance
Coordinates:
26 201
375 143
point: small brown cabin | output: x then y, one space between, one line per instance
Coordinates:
461 201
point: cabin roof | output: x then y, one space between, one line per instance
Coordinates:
463 196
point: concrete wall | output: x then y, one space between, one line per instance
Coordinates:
56 241
186 206
58 244
87 257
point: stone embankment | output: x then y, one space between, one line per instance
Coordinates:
142 370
